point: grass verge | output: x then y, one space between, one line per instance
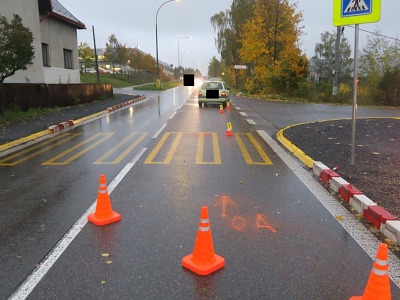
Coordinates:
16 115
164 86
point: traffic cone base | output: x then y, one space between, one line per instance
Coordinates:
229 133
111 218
218 263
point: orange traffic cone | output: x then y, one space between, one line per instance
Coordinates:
221 108
378 285
104 214
228 105
228 129
203 260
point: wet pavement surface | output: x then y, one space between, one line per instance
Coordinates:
278 240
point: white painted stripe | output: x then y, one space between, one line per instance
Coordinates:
361 235
238 94
204 221
250 121
159 131
237 108
45 265
173 115
243 113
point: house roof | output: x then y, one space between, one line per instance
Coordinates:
55 9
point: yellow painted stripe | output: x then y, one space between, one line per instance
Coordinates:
260 151
171 152
81 120
26 139
124 153
200 150
245 153
80 153
65 137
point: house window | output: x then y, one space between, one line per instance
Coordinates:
68 59
46 55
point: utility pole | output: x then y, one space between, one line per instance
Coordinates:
95 56
337 57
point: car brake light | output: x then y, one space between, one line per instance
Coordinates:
200 93
223 94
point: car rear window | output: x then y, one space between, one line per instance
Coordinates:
212 85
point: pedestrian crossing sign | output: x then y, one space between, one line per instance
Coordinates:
351 12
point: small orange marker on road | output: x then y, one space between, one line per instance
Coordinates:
203 260
378 285
229 129
228 105
104 214
221 108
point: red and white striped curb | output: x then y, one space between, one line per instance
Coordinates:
115 107
387 223
61 126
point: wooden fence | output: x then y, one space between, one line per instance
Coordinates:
27 95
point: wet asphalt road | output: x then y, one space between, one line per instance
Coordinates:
278 241
41 202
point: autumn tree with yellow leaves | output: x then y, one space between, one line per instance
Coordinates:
269 45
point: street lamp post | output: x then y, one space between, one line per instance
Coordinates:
182 55
158 66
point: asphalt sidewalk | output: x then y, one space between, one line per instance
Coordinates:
12 135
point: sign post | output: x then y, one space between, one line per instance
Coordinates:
355 12
238 67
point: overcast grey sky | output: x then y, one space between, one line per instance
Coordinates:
133 23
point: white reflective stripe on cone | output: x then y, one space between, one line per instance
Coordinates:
204 221
379 272
102 191
204 228
381 262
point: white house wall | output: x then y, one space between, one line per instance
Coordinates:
29 13
60 36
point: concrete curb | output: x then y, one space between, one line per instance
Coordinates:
130 102
61 126
381 219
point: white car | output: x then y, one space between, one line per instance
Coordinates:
213 92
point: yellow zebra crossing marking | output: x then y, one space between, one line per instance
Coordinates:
171 152
65 137
101 160
245 152
53 161
200 150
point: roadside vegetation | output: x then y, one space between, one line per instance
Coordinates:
264 36
16 115
117 81
164 86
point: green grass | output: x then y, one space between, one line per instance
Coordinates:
106 78
16 115
164 86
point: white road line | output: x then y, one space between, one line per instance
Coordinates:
250 121
173 115
45 265
361 235
243 113
238 94
159 131
237 108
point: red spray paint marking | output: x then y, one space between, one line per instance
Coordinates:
262 223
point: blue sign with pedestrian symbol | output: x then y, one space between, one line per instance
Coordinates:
352 8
